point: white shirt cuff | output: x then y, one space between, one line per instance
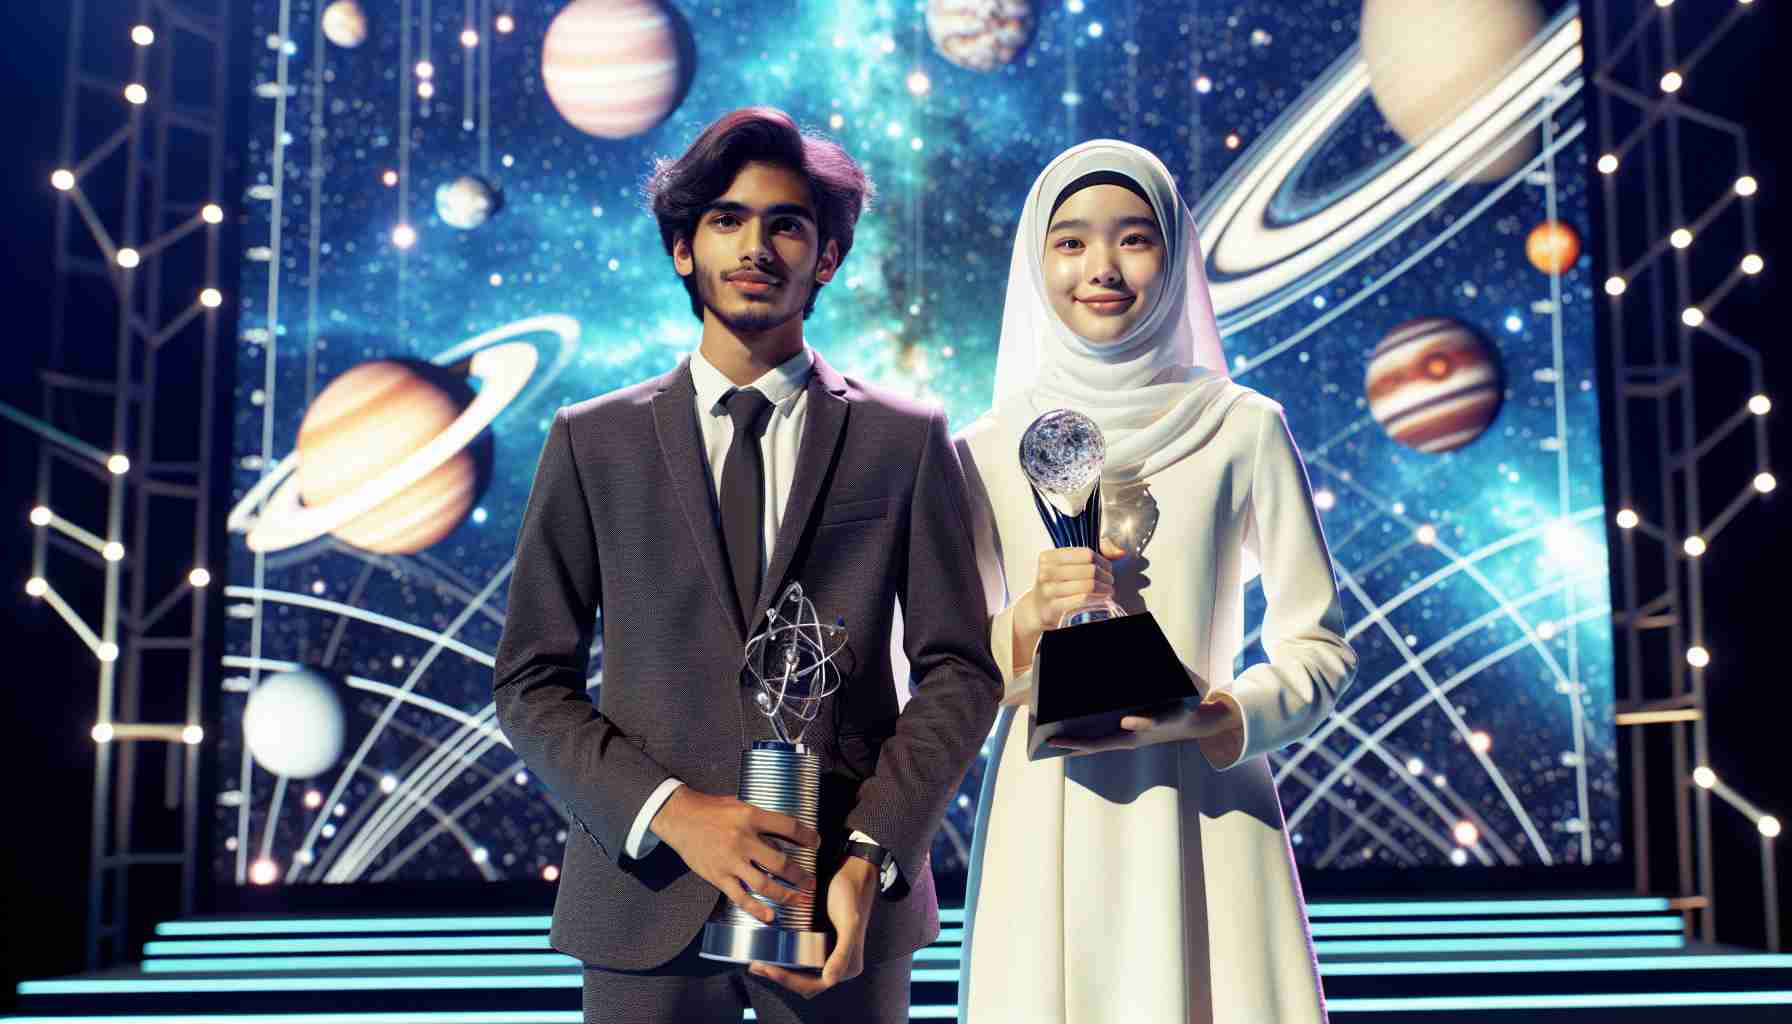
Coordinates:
641 840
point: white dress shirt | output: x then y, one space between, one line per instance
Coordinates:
786 386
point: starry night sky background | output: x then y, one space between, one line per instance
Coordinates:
1503 603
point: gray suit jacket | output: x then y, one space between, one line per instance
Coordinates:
622 521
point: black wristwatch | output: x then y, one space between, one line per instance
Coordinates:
881 858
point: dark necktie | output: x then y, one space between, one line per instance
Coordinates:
743 495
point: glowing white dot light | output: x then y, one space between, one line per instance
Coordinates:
212 213
1692 316
1324 500
200 578
1480 742
1615 286
404 236
1703 777
1414 766
389 178
1680 239
918 83
1426 535
1466 833
41 516
1760 405
469 38
1459 857
1627 519
102 733
108 651
505 23
136 94
1095 30
263 872
119 464
62 179
425 69
1769 826
1608 163
1672 81
128 257
192 735
113 551
1765 483
211 298
426 90
143 35
37 586
1694 545
388 784
550 873
1698 657
1752 264
1747 186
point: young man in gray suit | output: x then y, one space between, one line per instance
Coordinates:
679 509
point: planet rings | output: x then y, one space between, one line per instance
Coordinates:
271 514
1264 251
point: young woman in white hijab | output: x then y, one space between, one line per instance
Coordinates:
1149 878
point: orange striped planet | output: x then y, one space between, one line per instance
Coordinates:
616 68
368 420
1552 247
1433 384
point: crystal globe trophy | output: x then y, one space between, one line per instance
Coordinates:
792 662
1100 664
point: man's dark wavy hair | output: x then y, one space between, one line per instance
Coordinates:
678 191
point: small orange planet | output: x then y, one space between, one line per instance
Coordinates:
367 420
1433 384
1552 247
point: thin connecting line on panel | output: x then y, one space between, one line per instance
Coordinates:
1563 499
428 749
485 90
316 173
1342 716
1443 236
426 782
342 621
1424 675
450 820
467 56
1360 821
270 346
440 641
1389 801
1400 718
364 615
445 822
373 686
1467 566
406 76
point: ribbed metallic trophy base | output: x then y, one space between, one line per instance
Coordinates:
740 944
784 778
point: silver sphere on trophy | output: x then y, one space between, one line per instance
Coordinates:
1062 453
792 661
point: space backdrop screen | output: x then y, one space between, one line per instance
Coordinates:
444 244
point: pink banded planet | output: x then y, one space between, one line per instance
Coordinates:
1433 384
615 68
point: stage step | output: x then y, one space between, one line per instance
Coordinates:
1415 962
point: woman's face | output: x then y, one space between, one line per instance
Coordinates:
1104 261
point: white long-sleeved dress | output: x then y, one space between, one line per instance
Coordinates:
1149 886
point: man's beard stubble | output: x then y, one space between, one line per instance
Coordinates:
754 322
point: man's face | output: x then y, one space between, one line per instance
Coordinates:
756 255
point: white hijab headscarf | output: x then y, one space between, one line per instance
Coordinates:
1159 392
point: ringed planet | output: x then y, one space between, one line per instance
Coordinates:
386 465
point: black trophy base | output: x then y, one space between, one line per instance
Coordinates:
742 944
1086 678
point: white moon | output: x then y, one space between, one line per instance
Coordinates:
294 724
345 24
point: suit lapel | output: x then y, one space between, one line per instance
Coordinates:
823 425
675 423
